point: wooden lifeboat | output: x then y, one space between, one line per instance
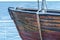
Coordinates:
26 23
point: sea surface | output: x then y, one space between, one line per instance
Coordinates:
8 30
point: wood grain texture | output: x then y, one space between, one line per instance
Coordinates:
27 25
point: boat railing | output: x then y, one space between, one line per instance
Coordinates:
32 10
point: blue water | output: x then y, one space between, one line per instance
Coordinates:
8 30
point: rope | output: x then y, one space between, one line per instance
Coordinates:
38 4
38 22
39 27
43 6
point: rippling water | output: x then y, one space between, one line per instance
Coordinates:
8 30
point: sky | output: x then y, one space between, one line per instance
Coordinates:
28 0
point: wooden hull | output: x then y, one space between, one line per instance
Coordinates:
26 24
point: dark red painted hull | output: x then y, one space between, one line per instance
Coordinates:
26 24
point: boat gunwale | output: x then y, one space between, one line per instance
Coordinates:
55 12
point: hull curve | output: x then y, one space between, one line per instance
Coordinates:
26 23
